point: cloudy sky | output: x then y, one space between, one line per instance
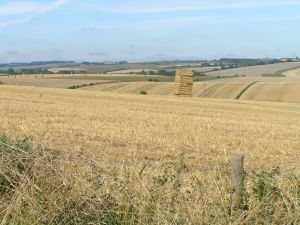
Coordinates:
141 30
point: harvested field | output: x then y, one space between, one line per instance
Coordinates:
222 89
278 92
108 158
38 76
212 89
255 71
47 82
135 127
130 71
125 77
277 88
292 73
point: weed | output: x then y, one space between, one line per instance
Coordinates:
143 92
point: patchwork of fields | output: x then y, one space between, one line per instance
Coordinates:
256 70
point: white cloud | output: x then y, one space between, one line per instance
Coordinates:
25 11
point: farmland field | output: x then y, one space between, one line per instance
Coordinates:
284 89
130 126
51 83
161 112
212 89
103 150
292 73
263 89
256 71
124 77
278 92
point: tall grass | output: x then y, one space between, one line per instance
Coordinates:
44 186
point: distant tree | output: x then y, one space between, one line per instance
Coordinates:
11 71
205 64
143 72
166 73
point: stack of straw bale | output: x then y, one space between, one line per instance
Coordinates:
184 83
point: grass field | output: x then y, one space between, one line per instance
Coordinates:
146 159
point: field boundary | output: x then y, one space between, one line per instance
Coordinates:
90 84
245 89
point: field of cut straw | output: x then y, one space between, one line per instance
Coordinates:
90 157
292 73
208 89
51 83
262 89
277 92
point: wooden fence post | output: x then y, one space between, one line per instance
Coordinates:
238 182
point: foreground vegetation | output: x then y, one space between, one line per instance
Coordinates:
43 186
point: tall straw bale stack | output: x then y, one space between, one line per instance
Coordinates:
184 82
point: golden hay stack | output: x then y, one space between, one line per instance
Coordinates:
184 83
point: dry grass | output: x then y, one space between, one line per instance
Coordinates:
42 186
131 159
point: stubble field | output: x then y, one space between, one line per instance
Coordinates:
138 127
261 89
293 73
103 157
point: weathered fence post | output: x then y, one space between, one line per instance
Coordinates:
238 182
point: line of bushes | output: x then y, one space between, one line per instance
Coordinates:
81 86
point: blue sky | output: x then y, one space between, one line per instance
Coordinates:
142 30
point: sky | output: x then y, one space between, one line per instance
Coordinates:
147 30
